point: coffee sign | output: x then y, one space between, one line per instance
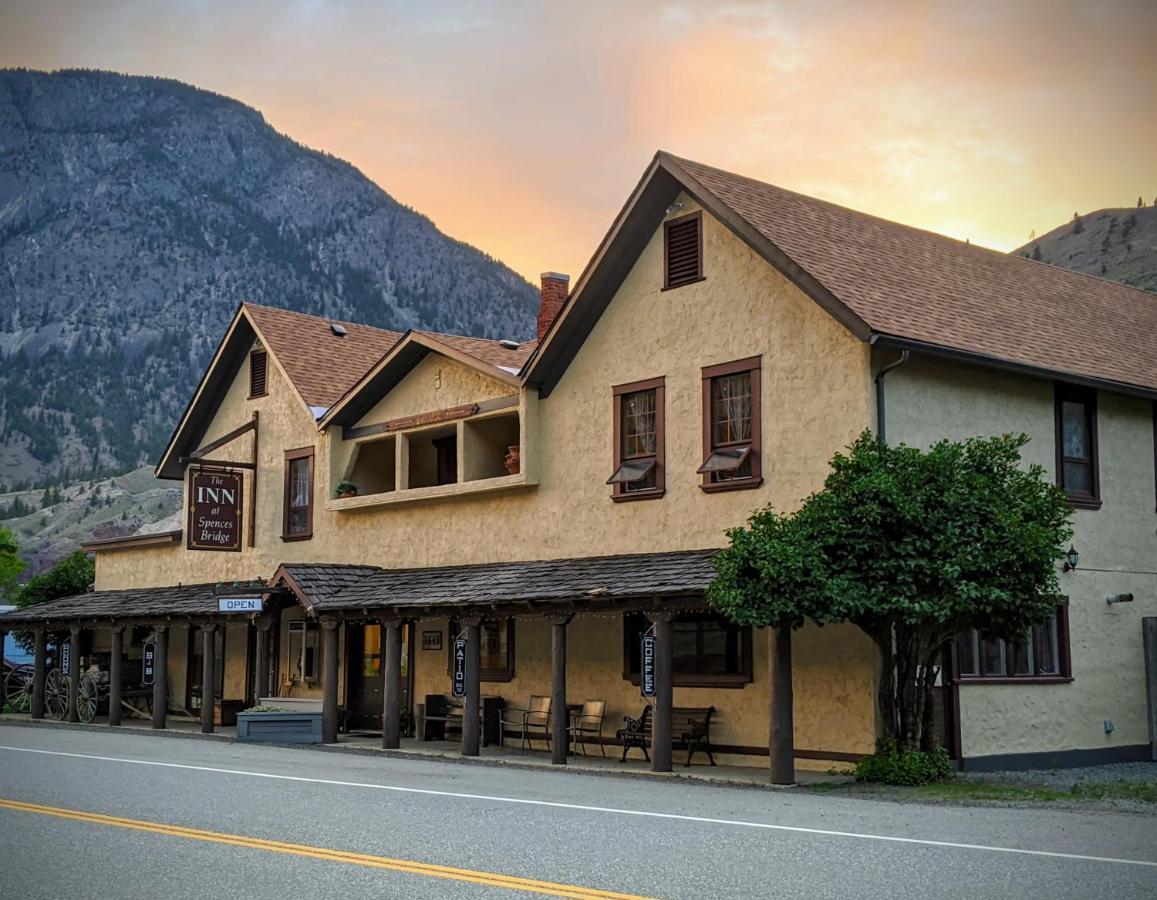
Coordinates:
214 510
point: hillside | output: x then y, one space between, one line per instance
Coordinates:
1120 244
136 213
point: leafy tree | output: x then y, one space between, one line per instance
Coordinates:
11 565
72 575
912 546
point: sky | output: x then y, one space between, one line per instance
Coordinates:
521 127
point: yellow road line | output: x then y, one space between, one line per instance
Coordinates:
490 879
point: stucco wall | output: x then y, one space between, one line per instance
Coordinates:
928 400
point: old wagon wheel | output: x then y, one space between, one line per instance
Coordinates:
87 698
56 694
18 691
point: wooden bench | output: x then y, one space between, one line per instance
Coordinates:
690 728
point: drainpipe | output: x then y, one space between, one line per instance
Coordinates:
881 422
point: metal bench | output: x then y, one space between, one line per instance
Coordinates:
690 728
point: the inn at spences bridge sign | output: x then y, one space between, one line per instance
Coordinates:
214 510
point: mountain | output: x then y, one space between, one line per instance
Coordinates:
1120 244
136 213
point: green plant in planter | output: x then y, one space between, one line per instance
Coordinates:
265 709
347 489
893 763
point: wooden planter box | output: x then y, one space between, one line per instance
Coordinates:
280 727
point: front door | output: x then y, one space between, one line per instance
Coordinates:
364 652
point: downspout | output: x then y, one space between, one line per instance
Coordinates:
881 421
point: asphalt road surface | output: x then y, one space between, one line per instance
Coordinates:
88 814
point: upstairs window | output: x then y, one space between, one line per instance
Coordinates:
1077 468
731 426
298 521
682 251
638 434
258 368
1042 654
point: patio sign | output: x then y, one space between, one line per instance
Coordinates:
148 658
66 658
647 681
214 510
459 669
239 604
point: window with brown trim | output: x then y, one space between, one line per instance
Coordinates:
707 650
298 519
496 662
731 426
258 372
683 251
639 424
1041 656
1077 466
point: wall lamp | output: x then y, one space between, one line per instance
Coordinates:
1072 557
675 207
1118 598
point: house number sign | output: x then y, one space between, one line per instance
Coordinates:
459 670
647 676
214 510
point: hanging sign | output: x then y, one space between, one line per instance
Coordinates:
459 668
148 660
239 604
214 510
66 658
647 675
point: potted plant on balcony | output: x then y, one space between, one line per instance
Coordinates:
513 460
346 489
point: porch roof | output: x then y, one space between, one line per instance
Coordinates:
180 600
597 580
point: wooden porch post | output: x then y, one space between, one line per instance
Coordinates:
392 687
664 694
39 671
114 674
558 717
161 676
208 675
470 710
781 737
73 714
329 711
261 676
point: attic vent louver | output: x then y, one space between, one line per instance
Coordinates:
508 344
339 330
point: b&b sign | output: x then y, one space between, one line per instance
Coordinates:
647 675
214 510
148 662
459 669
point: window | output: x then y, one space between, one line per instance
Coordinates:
706 650
298 524
731 426
639 422
1041 655
497 652
303 652
682 251
1077 470
258 368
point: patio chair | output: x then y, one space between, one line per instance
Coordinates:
587 725
530 723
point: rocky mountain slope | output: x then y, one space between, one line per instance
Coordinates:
136 213
1120 244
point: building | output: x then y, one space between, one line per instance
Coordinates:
551 501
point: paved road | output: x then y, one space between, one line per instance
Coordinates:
209 819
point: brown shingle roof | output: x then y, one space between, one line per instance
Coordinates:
322 365
491 353
926 287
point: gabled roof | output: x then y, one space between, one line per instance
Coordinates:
886 282
488 357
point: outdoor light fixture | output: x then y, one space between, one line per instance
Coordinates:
1071 558
675 207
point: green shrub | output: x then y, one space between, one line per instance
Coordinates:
895 764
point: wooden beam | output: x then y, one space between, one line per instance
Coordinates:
160 675
392 689
208 671
39 672
470 710
73 714
218 463
114 675
664 694
781 736
329 712
558 711
434 417
223 440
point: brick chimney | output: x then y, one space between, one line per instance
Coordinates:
554 292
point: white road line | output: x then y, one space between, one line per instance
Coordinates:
737 823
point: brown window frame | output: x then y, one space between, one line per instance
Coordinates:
263 355
668 285
632 633
659 386
1064 673
753 365
1088 398
290 456
503 674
